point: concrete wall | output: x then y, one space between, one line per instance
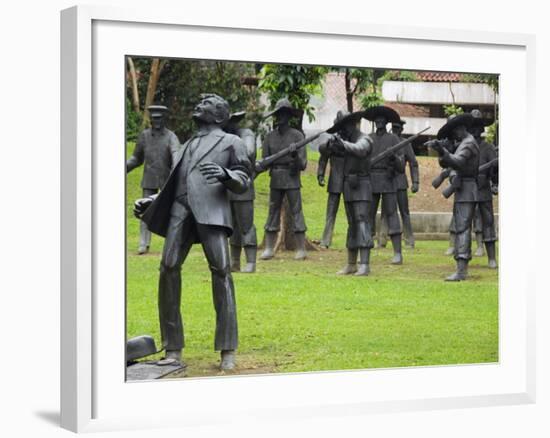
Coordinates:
438 93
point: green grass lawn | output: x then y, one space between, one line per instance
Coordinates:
299 316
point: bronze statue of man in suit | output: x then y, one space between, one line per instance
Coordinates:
193 207
154 149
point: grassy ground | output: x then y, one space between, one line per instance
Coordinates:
299 316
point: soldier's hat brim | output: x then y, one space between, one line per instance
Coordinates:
400 123
446 130
236 117
481 121
157 110
347 117
382 111
284 105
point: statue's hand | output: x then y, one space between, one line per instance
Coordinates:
141 205
494 189
321 180
213 172
292 149
414 187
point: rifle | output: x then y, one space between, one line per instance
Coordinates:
393 149
455 185
264 163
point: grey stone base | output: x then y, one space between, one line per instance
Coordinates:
149 371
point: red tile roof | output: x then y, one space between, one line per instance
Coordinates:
434 76
408 110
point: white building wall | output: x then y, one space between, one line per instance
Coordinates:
438 93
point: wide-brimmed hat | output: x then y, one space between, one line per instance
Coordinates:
157 110
284 105
381 111
236 117
453 122
342 117
479 120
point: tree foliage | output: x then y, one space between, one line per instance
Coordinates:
452 110
296 82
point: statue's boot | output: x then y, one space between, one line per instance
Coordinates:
382 241
364 258
451 248
491 254
301 253
269 250
461 271
227 362
235 258
351 267
144 238
397 254
479 241
172 357
250 253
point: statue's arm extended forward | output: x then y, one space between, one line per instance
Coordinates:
360 149
138 156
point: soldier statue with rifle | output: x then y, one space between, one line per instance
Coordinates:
464 162
335 185
487 183
284 173
242 204
354 147
383 174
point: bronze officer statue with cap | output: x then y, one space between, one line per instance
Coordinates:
464 162
382 174
242 204
335 185
487 180
355 148
284 178
154 148
193 207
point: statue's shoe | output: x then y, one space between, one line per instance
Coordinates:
143 250
227 360
249 268
267 254
348 269
479 252
300 255
450 251
397 259
492 264
363 270
457 276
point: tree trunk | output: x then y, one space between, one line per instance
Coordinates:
135 91
156 68
349 91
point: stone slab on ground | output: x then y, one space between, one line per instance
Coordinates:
149 371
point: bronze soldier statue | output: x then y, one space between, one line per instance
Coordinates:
155 147
242 205
354 147
193 207
487 181
335 186
284 178
464 161
383 173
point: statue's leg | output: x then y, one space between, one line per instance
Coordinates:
144 233
363 238
389 204
333 201
351 265
463 216
248 237
273 223
216 250
489 232
177 244
478 229
403 204
236 238
373 211
294 197
452 236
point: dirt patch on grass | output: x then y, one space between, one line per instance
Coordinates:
244 366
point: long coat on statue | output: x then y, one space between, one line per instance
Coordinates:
208 202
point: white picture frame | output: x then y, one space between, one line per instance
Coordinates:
94 398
